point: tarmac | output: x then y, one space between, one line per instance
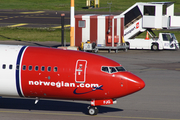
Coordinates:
159 100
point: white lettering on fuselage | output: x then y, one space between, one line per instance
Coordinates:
60 84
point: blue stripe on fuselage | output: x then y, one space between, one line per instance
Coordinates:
17 71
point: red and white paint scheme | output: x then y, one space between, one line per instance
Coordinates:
104 30
39 72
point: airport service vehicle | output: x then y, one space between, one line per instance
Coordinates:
39 72
142 17
164 41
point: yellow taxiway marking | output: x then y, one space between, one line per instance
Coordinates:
32 16
177 69
17 25
32 12
61 26
82 115
43 17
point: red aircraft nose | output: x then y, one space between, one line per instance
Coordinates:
134 83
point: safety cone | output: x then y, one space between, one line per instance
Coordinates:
147 36
123 41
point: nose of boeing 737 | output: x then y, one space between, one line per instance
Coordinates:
133 82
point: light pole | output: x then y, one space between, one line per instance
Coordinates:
72 24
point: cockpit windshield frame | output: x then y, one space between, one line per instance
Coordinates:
112 69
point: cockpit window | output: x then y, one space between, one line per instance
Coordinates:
105 69
112 69
120 69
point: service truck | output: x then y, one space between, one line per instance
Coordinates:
164 41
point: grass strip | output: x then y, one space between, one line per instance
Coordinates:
64 5
33 34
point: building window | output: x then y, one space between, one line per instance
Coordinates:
149 10
164 9
82 23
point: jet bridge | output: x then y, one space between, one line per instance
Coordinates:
147 16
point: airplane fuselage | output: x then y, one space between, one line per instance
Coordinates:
62 74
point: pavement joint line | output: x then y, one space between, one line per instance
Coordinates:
17 25
3 16
82 115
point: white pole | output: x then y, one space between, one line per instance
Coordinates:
72 24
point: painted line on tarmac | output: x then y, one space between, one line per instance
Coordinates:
141 70
61 26
139 118
177 69
35 12
82 115
47 17
18 25
148 70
